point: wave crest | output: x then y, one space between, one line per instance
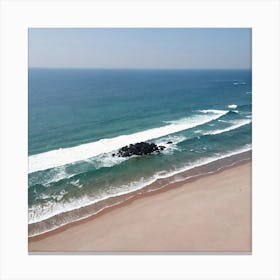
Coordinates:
232 127
65 156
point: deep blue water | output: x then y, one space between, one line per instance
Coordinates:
205 113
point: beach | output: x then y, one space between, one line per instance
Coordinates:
80 120
211 213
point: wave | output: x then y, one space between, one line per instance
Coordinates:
232 106
172 146
211 111
239 83
76 183
37 214
235 126
52 176
105 160
65 156
232 113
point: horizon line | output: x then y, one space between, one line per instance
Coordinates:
113 68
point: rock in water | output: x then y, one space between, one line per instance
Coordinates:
139 149
169 142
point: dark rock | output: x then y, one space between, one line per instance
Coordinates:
113 155
169 142
139 149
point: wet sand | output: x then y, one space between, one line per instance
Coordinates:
209 214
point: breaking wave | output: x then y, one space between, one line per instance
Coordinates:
65 156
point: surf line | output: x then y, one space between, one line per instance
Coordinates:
65 156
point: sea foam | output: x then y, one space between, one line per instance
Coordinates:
37 213
232 127
64 156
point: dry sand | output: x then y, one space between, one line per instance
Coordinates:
210 214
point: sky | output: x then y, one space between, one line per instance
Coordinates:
140 48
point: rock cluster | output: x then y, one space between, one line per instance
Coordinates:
139 149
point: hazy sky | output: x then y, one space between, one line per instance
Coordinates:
140 47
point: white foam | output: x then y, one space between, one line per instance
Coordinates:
105 160
211 111
232 106
171 147
239 83
55 175
64 156
235 126
76 184
59 196
175 139
41 212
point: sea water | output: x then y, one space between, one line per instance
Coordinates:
79 117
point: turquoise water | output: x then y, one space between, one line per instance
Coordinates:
78 118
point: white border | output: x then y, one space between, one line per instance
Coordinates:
262 16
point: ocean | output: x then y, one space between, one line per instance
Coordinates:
77 118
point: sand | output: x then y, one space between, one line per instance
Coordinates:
210 214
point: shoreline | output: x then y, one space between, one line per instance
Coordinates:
160 185
35 241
